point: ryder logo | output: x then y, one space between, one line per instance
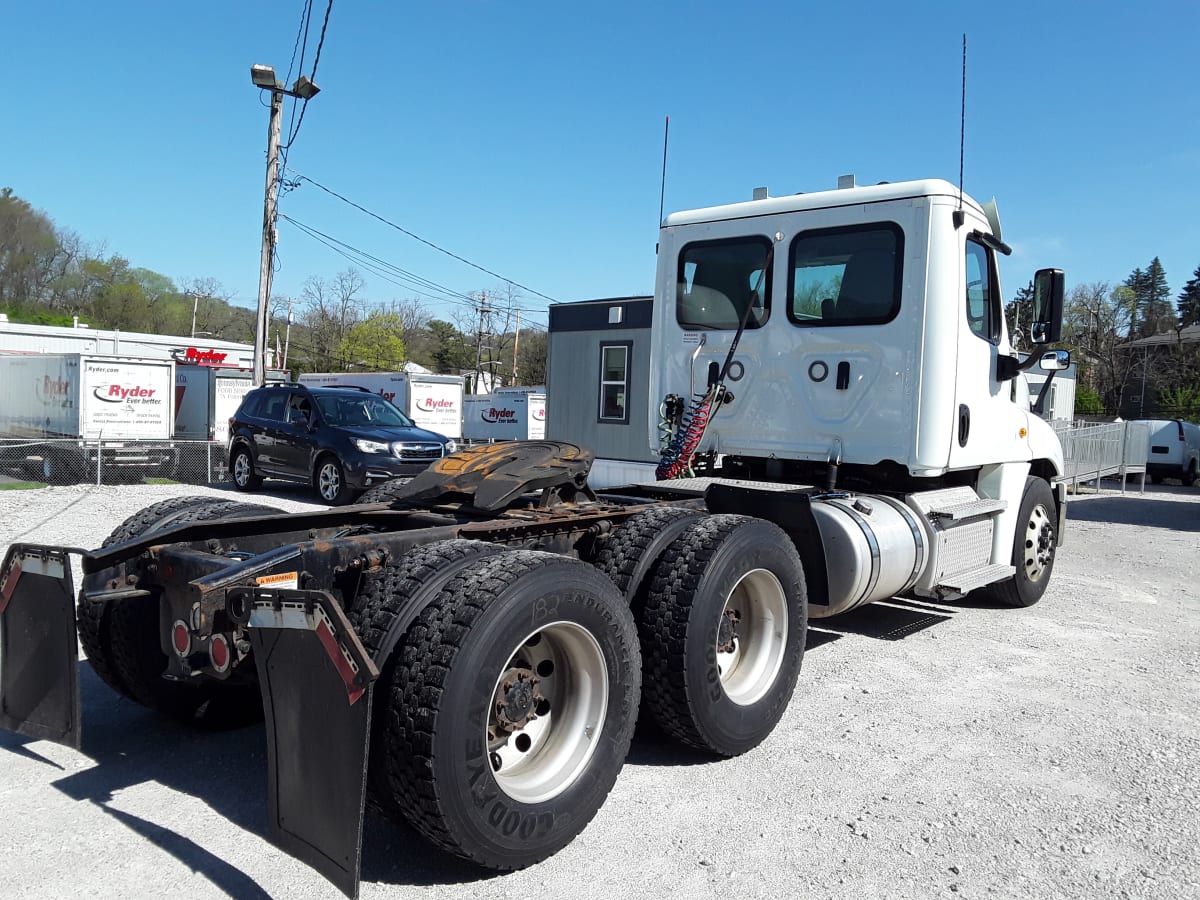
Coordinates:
539 414
433 404
493 416
51 390
118 393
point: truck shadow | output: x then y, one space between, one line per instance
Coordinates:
1129 510
228 772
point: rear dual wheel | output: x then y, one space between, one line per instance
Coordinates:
507 711
723 631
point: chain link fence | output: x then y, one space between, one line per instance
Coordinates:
62 462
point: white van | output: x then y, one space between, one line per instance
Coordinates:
1174 451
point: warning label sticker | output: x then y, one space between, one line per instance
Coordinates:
283 580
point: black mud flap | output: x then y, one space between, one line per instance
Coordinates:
39 658
317 682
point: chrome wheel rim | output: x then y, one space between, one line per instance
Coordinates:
1039 543
752 637
546 712
329 481
241 469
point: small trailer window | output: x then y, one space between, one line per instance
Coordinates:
716 280
614 382
846 276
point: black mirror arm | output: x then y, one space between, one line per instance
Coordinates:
1039 405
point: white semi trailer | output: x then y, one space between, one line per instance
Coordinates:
434 402
73 410
837 427
512 414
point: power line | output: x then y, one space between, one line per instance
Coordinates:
312 77
428 243
397 275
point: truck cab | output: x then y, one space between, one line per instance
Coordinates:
877 333
857 341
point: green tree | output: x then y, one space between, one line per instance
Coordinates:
374 343
452 352
1189 301
1153 312
1018 313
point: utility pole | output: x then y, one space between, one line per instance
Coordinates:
483 306
287 335
268 239
264 78
195 303
516 345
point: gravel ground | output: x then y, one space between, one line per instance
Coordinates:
931 750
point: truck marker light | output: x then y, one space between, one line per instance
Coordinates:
181 638
1024 432
218 652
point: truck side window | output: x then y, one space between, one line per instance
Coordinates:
846 276
983 301
716 279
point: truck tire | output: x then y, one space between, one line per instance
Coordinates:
629 555
384 608
1191 475
723 633
1034 547
241 470
329 481
384 492
121 636
511 707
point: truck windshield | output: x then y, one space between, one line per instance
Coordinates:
717 279
358 410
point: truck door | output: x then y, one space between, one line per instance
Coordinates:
297 440
987 422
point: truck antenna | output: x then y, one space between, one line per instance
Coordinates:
959 215
663 190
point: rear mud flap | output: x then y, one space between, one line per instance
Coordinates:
317 683
39 658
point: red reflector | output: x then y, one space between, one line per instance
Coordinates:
218 652
181 638
10 584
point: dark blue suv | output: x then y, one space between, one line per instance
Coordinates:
340 440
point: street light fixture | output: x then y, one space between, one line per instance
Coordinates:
304 89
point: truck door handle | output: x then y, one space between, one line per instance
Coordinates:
964 424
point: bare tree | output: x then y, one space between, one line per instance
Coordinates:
330 308
1097 321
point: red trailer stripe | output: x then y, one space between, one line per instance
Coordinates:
10 584
339 661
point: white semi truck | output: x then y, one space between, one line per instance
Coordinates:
837 426
71 411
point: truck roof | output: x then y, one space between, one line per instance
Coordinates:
875 193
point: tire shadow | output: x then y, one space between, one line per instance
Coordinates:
228 772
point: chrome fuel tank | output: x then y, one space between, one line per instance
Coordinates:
874 548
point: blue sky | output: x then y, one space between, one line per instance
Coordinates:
527 137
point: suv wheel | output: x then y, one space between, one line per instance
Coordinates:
329 481
241 469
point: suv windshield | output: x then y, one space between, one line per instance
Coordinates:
358 410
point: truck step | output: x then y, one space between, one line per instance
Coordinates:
968 509
965 582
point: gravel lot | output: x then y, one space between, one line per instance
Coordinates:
931 750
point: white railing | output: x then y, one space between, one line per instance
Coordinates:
1097 450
